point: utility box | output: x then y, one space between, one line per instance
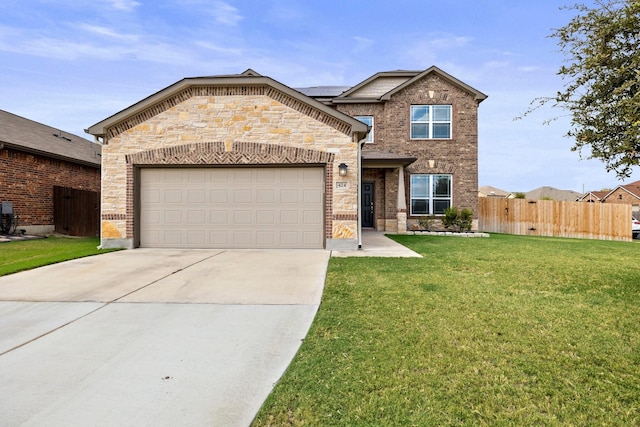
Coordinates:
6 208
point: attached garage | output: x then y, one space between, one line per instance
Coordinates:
231 207
231 161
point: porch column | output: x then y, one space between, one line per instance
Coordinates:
401 214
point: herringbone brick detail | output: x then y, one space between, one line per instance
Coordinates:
242 153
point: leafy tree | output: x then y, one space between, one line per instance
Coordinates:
602 73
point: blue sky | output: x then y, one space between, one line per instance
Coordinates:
72 63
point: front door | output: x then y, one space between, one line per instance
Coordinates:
367 204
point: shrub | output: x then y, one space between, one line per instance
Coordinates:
460 220
426 222
450 217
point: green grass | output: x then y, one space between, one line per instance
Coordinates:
27 254
499 331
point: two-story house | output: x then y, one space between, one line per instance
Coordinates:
421 156
244 161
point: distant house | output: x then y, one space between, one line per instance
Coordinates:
551 193
628 194
593 196
35 159
489 191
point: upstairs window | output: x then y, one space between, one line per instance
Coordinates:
367 120
431 122
430 194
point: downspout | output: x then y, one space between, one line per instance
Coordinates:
360 145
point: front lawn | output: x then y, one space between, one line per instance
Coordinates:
499 331
26 254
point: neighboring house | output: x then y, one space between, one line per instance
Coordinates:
421 156
243 161
628 194
34 160
551 193
489 191
593 196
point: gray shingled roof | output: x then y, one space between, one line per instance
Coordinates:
26 135
322 91
553 194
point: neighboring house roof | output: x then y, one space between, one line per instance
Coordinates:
26 135
247 79
553 194
489 191
593 196
381 86
632 188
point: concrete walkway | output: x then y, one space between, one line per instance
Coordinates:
376 244
153 337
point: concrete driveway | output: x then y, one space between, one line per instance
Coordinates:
153 337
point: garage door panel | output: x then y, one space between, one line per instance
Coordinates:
243 196
219 217
196 218
232 207
173 196
311 218
289 195
266 217
219 195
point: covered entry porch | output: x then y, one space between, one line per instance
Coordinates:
384 202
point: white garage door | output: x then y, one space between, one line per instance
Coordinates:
232 207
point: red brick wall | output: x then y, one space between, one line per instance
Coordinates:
27 180
457 156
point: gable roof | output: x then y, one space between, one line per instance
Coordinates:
632 188
593 195
247 79
489 191
26 135
403 78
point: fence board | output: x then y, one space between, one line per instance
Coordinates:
602 221
76 212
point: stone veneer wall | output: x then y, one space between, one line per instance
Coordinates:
27 180
246 129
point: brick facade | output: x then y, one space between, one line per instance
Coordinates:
457 156
27 180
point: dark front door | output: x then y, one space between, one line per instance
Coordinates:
367 204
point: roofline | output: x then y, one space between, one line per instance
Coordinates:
246 79
399 73
17 147
622 187
479 96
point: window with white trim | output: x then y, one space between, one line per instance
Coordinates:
367 120
431 122
430 194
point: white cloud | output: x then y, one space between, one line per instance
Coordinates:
107 32
124 5
362 43
219 49
226 14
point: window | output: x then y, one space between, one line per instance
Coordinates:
430 121
430 194
367 120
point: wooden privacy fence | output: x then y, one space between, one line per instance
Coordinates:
603 221
76 212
